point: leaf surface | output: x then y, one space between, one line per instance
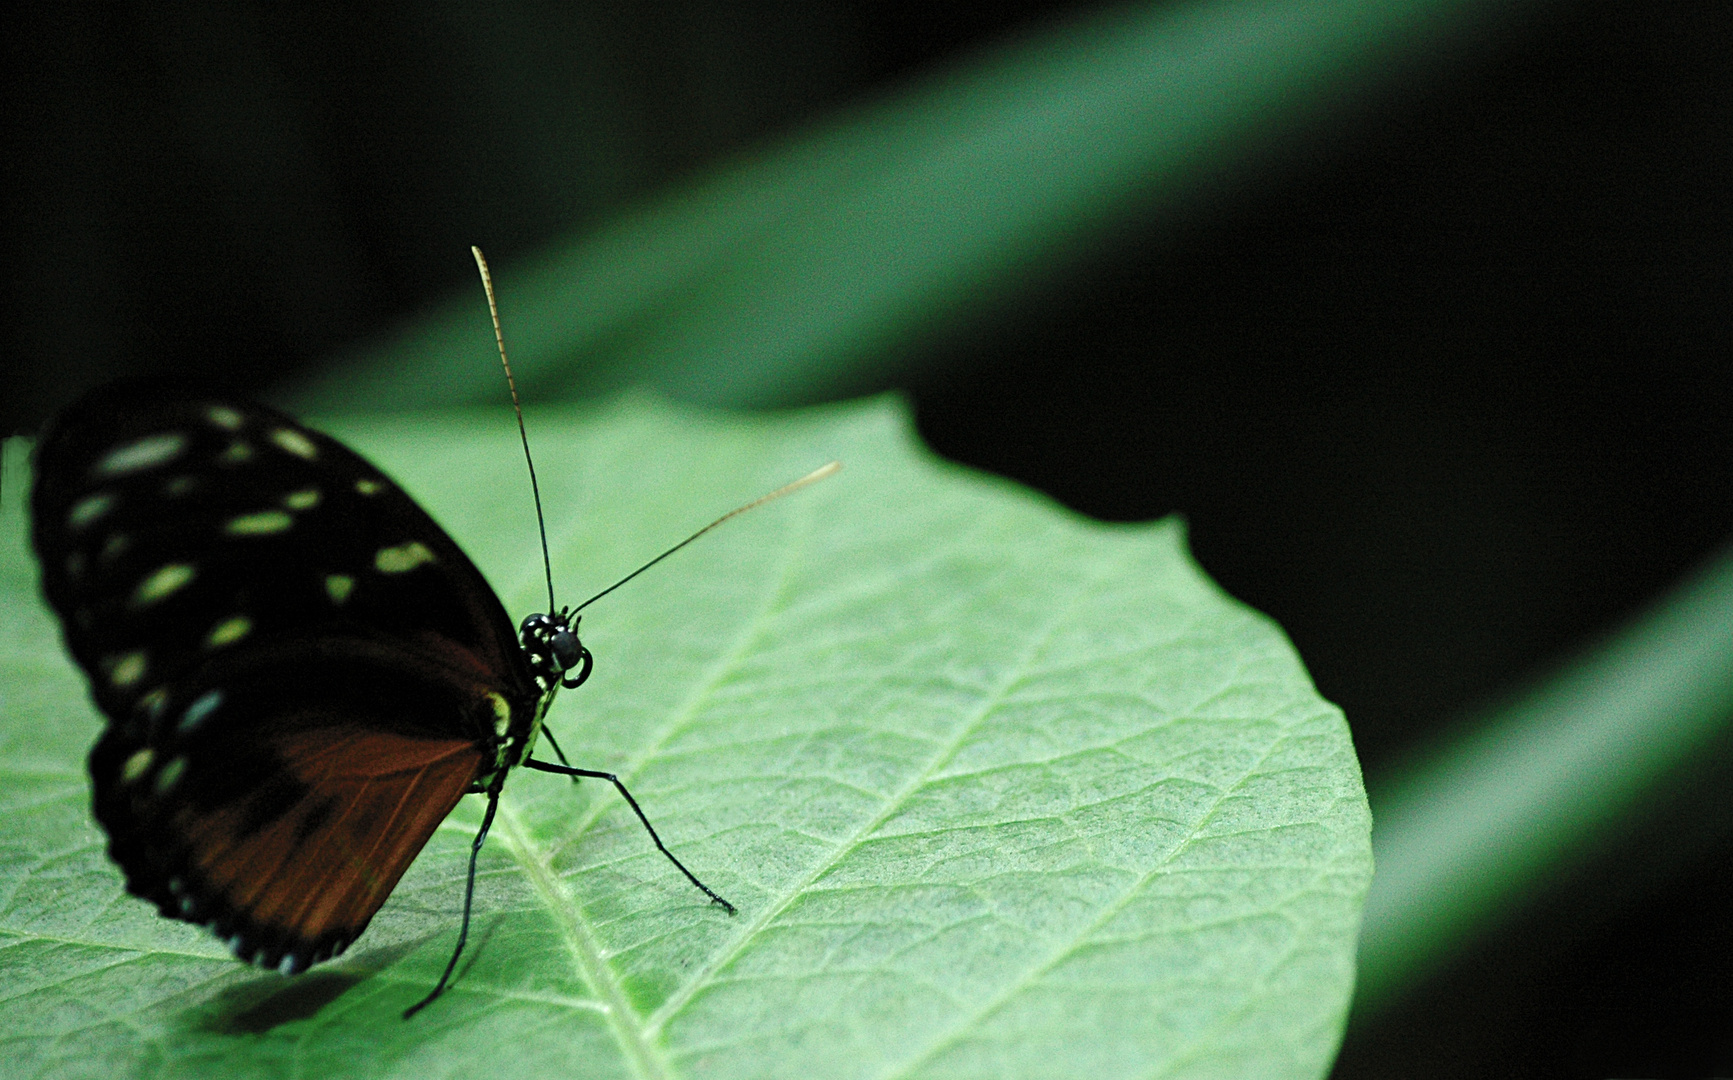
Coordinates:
999 792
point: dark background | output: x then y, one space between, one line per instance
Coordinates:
1448 391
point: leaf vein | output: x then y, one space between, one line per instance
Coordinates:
1015 673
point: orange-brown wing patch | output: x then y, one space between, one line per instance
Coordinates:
300 865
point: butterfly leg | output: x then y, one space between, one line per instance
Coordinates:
468 900
567 770
561 754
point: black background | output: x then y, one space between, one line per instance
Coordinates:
1447 391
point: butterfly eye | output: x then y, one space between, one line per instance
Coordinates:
566 649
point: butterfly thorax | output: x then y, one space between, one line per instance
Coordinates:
551 648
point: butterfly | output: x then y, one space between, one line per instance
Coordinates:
301 672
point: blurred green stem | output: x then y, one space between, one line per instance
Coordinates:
820 266
1461 840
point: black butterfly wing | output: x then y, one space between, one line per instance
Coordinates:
173 526
283 790
297 664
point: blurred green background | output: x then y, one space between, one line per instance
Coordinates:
1420 312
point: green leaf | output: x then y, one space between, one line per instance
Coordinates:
998 791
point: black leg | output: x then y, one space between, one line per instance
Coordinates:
468 899
561 754
567 770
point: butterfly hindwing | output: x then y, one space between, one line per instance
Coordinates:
280 795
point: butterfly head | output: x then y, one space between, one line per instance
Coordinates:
552 645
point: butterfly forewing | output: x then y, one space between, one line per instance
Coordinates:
302 673
170 526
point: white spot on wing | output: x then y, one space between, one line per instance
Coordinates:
141 454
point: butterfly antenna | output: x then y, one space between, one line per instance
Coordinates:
812 477
511 384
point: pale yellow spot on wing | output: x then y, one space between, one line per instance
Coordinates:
369 487
305 499
402 558
153 702
170 774
263 523
501 714
295 443
137 765
179 486
162 584
224 417
338 587
236 453
126 669
113 548
89 508
228 632
141 454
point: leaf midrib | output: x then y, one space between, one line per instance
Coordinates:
639 1050
637 1040
1015 673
